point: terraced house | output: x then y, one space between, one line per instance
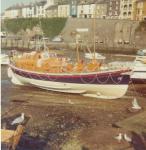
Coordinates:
140 12
101 9
127 9
29 11
40 8
86 9
52 11
73 8
113 9
13 12
64 10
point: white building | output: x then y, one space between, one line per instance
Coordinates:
28 11
86 10
64 10
50 3
101 10
40 8
13 12
52 11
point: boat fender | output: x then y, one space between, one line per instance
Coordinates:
9 72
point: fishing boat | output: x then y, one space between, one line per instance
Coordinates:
60 74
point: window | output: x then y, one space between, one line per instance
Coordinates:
125 6
125 14
129 13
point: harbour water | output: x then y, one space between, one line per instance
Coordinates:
57 121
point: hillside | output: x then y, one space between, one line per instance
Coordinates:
50 26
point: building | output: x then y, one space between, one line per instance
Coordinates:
29 11
140 12
127 9
113 9
86 9
52 11
101 9
13 12
40 8
73 8
64 10
8 13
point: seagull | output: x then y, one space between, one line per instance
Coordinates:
18 120
119 137
70 102
126 138
135 104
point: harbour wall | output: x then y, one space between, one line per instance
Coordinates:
110 35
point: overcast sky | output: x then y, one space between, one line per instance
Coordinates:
6 3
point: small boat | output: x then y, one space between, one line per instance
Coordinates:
141 52
94 56
11 138
139 71
138 67
4 59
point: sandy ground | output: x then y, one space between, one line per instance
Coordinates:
57 121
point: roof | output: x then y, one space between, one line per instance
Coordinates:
52 7
14 7
41 3
141 1
88 2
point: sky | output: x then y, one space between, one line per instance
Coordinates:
6 3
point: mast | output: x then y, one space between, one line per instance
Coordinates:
94 28
77 48
40 24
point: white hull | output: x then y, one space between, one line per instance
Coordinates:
138 67
91 56
139 75
139 70
4 59
105 91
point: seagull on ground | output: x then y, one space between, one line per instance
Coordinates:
18 120
70 102
119 137
126 138
135 104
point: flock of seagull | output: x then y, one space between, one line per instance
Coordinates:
119 137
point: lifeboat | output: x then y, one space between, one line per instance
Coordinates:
63 75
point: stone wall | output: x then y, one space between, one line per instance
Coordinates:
118 34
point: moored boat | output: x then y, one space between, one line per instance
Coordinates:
138 67
97 56
4 59
59 74
139 71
